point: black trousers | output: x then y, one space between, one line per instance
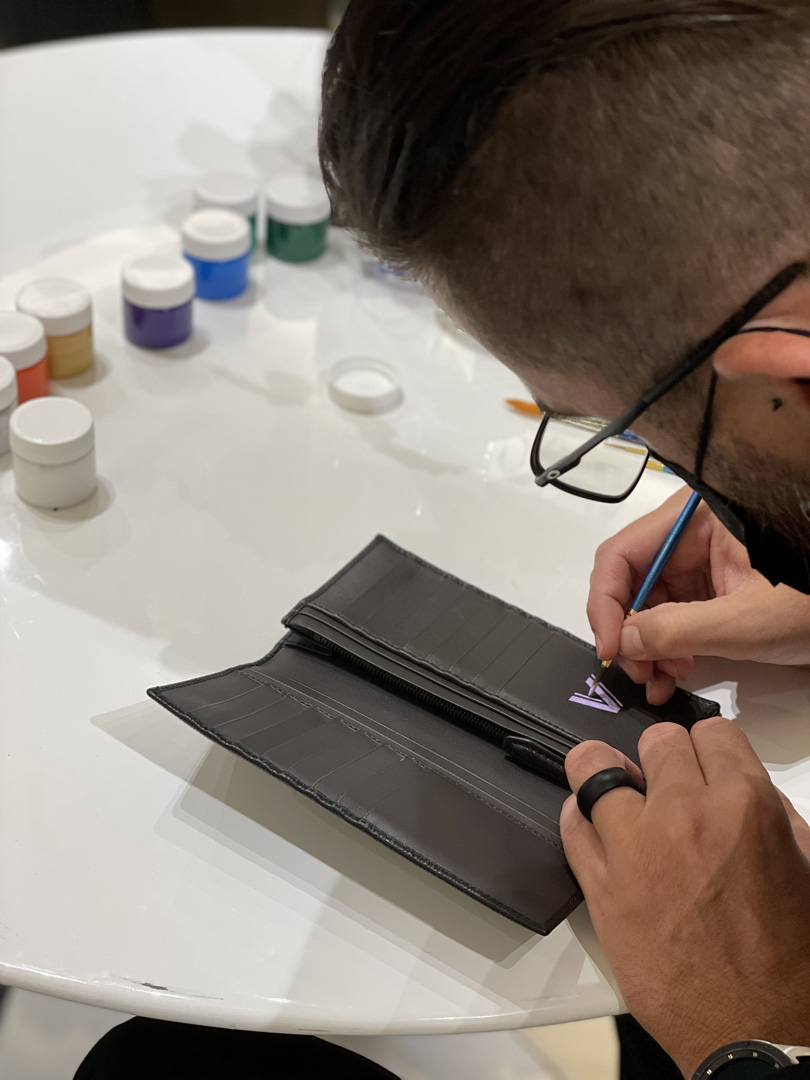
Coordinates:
640 1056
155 1050
143 1049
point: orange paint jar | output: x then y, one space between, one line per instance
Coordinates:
22 341
65 309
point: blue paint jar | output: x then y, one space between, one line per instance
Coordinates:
158 291
217 244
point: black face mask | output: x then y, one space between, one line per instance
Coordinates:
771 554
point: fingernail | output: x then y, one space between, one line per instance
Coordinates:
630 643
598 646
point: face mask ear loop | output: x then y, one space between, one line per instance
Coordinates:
706 428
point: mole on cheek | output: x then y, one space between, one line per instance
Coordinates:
777 404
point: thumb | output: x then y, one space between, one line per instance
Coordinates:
718 627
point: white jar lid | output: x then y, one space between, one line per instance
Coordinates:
158 282
216 235
62 306
297 199
231 191
22 339
364 385
8 384
51 431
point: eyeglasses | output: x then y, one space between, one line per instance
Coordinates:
603 468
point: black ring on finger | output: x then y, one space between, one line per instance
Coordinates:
600 784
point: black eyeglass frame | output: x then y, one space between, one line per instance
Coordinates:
699 355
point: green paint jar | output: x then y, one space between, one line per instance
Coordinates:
298 215
230 191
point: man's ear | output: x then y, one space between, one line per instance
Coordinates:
777 355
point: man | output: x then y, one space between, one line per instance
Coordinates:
592 188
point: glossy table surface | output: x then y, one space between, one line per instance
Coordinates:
145 869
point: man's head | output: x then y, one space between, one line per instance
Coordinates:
591 187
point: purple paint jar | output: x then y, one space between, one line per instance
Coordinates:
158 292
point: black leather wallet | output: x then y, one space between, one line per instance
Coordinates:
433 716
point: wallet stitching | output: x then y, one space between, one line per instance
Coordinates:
385 542
421 764
368 827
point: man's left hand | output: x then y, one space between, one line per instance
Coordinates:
700 891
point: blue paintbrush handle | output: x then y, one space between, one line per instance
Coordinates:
662 558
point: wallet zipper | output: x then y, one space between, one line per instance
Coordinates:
521 749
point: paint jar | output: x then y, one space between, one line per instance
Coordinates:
65 309
53 452
8 399
298 215
22 341
217 244
230 191
158 291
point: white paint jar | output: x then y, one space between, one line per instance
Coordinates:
53 452
8 399
229 191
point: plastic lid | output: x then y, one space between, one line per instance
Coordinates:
216 235
8 384
158 282
297 199
62 306
364 385
22 339
51 431
232 191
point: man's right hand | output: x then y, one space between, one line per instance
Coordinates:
708 602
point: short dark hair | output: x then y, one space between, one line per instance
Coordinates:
590 179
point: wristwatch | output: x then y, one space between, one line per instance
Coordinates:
750 1060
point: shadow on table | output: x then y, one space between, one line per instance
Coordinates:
770 703
272 825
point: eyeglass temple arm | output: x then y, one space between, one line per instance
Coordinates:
700 355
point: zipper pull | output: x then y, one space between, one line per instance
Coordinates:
537 758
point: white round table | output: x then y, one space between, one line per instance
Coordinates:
143 868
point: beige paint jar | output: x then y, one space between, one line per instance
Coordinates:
53 452
65 309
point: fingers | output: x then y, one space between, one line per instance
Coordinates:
724 752
659 678
611 584
669 759
660 688
616 806
739 626
618 563
681 668
583 848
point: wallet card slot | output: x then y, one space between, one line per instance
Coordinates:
443 748
490 718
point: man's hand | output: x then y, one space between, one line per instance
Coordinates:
700 892
708 602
